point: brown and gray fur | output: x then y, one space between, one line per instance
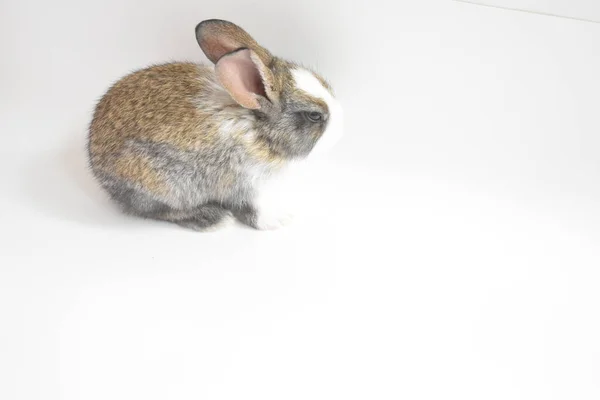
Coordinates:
191 143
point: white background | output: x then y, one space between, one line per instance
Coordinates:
583 9
448 249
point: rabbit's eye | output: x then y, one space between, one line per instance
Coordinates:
314 116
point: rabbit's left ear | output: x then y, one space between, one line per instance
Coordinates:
245 77
218 38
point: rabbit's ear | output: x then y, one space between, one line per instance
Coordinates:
243 74
218 38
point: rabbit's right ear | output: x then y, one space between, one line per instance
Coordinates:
246 78
218 38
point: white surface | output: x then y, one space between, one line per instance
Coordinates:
450 248
582 9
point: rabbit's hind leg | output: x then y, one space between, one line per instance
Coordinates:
138 202
206 217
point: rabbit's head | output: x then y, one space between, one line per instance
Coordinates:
295 108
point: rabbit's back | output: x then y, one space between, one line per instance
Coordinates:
158 131
159 104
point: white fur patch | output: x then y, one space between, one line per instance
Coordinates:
269 221
307 82
275 201
226 222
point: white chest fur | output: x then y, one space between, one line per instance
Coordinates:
278 198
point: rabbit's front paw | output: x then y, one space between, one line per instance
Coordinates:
268 221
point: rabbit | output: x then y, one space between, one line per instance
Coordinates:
198 145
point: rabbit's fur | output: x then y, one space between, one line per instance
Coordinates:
194 145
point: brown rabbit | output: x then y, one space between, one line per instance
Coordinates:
195 145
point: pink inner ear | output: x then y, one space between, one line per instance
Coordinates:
240 76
